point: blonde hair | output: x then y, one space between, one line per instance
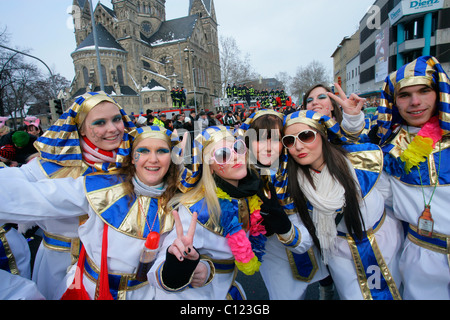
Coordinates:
206 188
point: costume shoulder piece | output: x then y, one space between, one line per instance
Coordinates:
367 160
432 170
128 214
201 207
55 171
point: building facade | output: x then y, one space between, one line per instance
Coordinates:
345 51
143 55
395 32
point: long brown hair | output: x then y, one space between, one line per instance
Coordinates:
335 159
336 113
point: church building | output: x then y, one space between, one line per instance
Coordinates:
144 56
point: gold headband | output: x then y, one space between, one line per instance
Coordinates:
310 122
414 81
161 135
215 137
266 113
90 104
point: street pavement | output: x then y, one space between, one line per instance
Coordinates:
255 288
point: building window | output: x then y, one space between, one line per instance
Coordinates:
412 55
120 75
414 29
86 76
105 79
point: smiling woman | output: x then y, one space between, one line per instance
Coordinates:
123 211
216 216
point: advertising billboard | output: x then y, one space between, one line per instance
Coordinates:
409 7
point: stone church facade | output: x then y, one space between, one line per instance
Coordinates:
143 56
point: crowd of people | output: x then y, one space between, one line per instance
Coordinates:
264 98
315 194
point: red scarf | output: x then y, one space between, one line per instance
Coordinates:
77 291
93 155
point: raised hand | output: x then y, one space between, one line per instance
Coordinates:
183 247
351 105
275 218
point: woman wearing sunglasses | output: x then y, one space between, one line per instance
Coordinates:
228 232
263 131
338 192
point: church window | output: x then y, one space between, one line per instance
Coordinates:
105 79
120 75
85 76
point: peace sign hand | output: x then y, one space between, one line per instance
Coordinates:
352 105
183 247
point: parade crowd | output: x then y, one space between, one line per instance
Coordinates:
148 208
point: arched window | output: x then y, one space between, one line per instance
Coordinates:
105 79
86 76
120 75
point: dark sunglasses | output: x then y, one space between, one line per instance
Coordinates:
305 137
223 155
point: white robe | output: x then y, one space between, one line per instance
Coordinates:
425 273
62 199
50 266
14 287
207 243
277 273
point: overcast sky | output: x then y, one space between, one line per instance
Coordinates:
279 36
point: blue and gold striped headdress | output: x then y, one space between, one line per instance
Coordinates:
326 125
190 177
154 132
425 70
60 144
263 112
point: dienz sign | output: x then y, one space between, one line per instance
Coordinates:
409 7
424 4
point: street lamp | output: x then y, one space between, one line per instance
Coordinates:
94 29
29 55
190 51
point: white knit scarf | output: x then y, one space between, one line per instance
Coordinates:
149 191
328 197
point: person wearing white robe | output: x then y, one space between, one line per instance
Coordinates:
62 154
66 198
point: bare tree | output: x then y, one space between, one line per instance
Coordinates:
22 83
234 68
306 77
285 79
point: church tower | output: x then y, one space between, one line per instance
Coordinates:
81 20
142 55
139 16
207 14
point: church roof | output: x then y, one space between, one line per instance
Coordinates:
206 3
173 31
125 90
81 3
111 12
154 85
105 41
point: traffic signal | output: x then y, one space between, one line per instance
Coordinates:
58 107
